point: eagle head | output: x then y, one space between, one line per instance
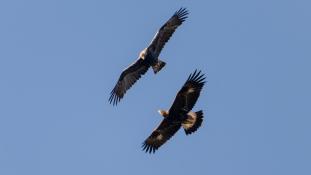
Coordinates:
164 113
143 53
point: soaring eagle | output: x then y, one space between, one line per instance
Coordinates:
147 57
179 114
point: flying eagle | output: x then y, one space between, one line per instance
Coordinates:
147 57
179 115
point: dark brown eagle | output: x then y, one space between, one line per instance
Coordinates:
148 57
179 114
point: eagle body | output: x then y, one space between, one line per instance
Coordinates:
174 117
149 57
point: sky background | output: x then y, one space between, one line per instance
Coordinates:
60 59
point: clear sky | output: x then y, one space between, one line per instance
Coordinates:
60 59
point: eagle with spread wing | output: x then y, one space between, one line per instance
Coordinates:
179 115
149 57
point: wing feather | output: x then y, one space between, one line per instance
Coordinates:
160 135
188 94
167 30
126 80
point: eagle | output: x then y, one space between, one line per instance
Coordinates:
179 115
148 57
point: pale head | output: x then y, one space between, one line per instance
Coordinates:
143 53
164 113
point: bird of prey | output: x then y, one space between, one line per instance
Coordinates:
148 57
179 115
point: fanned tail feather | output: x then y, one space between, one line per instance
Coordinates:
158 66
193 122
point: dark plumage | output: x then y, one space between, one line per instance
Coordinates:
149 57
179 115
167 30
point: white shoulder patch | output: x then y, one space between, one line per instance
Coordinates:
191 90
160 137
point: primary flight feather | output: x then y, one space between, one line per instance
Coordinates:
149 57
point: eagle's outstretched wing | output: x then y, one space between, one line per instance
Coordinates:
127 78
188 94
160 135
167 30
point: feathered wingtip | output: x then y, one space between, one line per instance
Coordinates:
197 77
182 14
114 98
148 148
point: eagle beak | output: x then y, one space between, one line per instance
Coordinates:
160 112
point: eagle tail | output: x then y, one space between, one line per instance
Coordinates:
158 66
193 122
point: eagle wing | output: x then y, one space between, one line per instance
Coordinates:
127 78
160 135
188 94
167 30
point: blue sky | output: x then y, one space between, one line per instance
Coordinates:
59 61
